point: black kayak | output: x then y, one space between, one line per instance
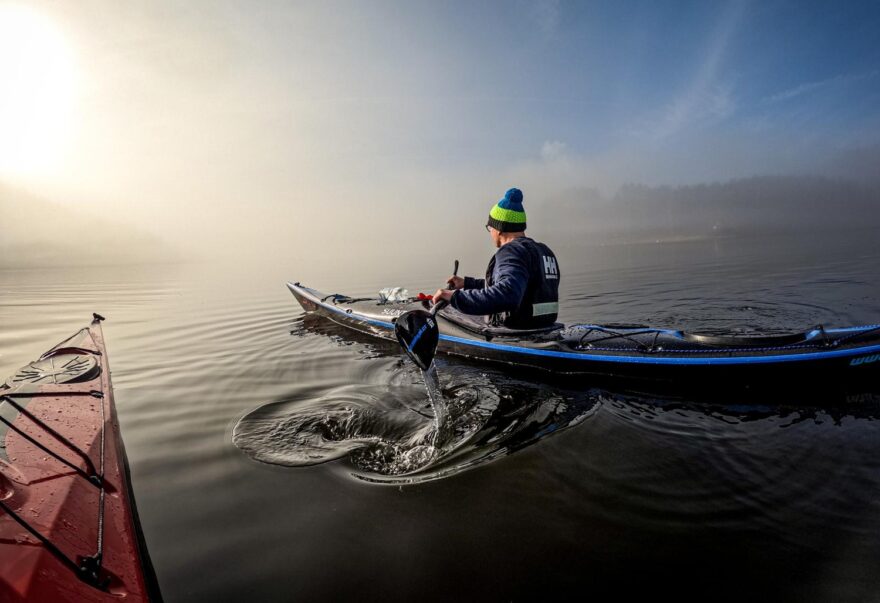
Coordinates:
817 357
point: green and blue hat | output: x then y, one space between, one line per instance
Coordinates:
508 214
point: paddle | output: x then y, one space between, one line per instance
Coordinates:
418 333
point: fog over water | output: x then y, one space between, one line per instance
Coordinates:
310 131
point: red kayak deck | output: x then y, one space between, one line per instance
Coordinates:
68 525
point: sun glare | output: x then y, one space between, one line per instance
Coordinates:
36 92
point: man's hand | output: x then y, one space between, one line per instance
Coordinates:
456 282
445 294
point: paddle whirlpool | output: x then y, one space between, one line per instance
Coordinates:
408 432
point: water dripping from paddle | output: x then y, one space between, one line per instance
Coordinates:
418 334
438 403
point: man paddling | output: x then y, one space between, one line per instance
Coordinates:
521 288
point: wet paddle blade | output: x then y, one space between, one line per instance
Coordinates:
418 335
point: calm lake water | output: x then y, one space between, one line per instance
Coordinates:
602 492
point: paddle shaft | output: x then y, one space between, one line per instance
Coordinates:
443 303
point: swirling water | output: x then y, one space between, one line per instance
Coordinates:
397 434
262 441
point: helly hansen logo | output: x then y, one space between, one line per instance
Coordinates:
550 268
864 360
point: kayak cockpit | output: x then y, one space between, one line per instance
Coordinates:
478 325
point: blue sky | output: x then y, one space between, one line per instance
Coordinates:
671 92
655 75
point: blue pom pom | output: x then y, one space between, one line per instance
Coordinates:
513 199
514 195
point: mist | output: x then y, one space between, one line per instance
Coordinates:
334 133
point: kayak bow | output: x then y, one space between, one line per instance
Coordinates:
69 529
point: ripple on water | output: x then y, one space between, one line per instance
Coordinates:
765 466
387 433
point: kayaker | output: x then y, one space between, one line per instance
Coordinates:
521 288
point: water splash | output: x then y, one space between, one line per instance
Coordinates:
398 434
435 395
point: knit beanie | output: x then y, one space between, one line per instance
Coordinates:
508 214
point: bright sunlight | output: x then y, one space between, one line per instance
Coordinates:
36 92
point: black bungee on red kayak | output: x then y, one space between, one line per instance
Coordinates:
69 529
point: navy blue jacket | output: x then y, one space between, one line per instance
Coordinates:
514 269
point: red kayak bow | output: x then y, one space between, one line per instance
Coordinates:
68 525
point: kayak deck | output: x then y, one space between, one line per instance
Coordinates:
68 524
629 351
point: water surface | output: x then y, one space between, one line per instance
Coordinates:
548 490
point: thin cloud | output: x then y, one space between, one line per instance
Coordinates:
547 14
705 97
808 87
553 150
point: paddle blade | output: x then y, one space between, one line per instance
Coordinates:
418 335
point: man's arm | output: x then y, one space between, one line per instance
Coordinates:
474 283
511 277
465 282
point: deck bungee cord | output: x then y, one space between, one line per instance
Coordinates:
60 455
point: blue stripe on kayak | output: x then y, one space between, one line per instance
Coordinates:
666 360
636 359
